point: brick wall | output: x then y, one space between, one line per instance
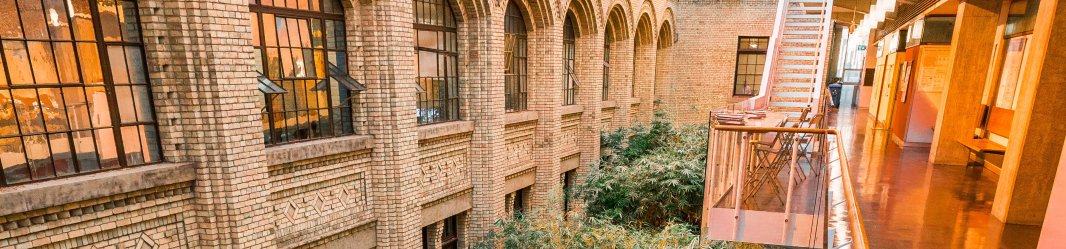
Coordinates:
378 188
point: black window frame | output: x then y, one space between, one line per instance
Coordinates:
744 51
569 54
70 36
339 109
606 95
516 58
438 96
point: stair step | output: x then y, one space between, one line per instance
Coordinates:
803 32
798 57
800 40
776 103
795 76
804 16
792 99
806 1
794 84
806 8
803 24
799 49
796 109
784 89
811 67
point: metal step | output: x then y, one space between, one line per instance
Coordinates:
794 84
803 24
806 1
806 8
799 49
805 100
784 89
811 67
798 57
776 103
803 16
800 40
803 32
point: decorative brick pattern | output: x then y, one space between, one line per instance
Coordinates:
201 67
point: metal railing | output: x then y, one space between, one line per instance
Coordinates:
780 185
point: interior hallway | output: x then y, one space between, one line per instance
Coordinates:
908 203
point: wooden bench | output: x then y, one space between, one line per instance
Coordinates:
981 146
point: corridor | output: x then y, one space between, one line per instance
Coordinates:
908 203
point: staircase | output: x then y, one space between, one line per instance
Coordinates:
796 61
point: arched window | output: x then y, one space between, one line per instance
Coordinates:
606 65
300 53
74 91
569 48
514 53
436 53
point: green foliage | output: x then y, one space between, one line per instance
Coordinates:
550 230
649 177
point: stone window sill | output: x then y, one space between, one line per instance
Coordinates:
51 193
608 104
444 129
316 148
571 109
520 117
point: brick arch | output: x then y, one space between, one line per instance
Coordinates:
617 23
585 16
666 35
648 8
644 32
538 13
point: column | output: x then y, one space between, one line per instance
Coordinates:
390 104
483 102
545 98
1035 146
208 108
971 53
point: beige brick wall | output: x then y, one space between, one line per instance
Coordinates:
375 188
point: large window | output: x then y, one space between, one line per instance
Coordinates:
436 52
300 52
74 90
606 66
751 55
569 47
514 53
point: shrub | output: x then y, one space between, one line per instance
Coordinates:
649 177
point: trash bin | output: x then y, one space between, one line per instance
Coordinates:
834 91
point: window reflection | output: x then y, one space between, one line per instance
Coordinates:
56 112
514 53
436 53
292 55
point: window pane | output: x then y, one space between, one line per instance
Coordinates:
52 108
131 32
33 19
68 67
117 58
77 108
86 149
8 122
83 23
135 62
131 144
9 27
58 24
109 20
29 111
99 108
18 63
62 158
143 103
105 143
14 161
125 104
90 63
37 152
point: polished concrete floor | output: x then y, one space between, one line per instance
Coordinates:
908 203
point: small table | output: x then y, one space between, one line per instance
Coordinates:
981 146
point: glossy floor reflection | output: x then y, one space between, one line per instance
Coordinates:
908 203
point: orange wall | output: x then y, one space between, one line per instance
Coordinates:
901 115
